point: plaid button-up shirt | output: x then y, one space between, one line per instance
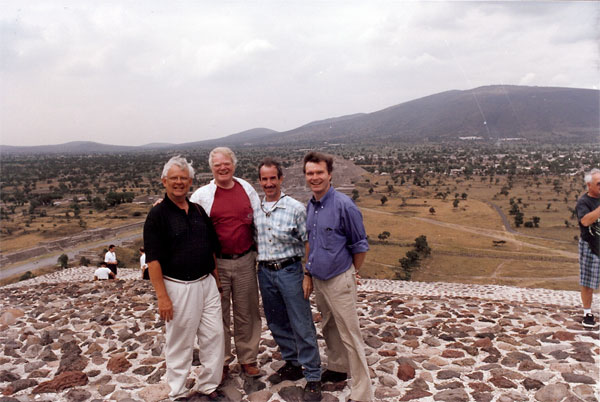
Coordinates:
281 229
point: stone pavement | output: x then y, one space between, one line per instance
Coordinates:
66 338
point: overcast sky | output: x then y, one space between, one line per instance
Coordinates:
132 73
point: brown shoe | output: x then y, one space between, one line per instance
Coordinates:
251 370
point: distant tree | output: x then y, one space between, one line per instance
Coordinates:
383 236
370 190
548 206
63 260
26 275
355 195
536 221
390 188
455 203
84 262
432 211
383 199
421 246
518 219
464 196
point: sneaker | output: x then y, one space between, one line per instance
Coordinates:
312 391
333 376
589 321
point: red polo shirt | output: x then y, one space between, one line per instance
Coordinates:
231 215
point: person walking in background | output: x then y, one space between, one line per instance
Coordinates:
338 247
110 258
143 265
181 243
285 289
230 202
588 216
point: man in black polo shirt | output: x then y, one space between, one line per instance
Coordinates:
180 244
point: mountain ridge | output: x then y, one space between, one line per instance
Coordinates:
493 112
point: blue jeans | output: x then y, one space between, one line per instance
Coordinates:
289 317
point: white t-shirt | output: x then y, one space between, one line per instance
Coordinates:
110 257
102 273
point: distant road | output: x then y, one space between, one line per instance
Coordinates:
49 260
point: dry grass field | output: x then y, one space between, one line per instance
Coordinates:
469 242
57 224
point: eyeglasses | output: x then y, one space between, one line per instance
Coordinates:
175 179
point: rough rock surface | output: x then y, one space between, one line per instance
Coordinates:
78 340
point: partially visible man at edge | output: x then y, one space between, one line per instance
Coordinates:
285 289
338 247
588 216
230 202
180 244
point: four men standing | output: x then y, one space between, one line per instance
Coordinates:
185 240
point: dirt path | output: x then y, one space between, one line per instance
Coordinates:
494 234
499 235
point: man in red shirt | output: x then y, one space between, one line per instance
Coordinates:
230 202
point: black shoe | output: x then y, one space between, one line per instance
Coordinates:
589 321
333 376
312 391
288 372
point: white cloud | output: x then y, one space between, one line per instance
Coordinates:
129 73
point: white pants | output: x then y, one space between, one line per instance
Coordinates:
196 313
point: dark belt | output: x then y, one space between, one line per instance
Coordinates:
233 256
168 278
279 264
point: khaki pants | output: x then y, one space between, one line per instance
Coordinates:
240 286
196 315
336 300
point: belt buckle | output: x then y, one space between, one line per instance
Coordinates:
277 265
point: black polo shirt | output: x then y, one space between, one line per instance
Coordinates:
182 243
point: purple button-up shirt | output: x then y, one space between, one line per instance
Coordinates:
335 232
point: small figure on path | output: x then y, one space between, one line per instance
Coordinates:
103 273
110 258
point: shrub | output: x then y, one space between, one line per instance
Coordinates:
63 260
26 275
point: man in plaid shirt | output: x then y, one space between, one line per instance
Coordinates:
284 286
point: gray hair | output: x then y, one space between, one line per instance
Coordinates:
588 177
179 161
222 150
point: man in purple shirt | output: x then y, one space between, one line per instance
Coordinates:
338 246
